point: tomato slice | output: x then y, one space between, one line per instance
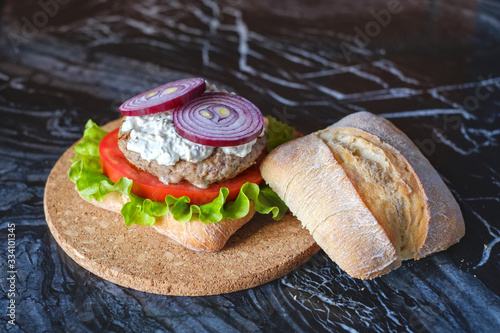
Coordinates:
115 165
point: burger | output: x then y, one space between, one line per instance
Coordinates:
185 161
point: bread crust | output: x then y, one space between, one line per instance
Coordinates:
317 190
446 224
327 198
195 235
386 182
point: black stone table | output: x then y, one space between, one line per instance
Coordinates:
432 67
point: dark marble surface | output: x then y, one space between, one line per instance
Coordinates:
432 67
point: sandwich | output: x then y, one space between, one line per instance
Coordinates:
190 162
367 195
185 161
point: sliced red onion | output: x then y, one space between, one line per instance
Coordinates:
163 98
218 119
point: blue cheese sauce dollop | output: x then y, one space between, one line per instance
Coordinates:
154 138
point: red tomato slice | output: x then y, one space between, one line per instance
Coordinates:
115 165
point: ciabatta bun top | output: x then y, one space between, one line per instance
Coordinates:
366 193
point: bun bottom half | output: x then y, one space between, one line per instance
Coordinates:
195 235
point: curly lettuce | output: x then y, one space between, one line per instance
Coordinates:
91 182
277 133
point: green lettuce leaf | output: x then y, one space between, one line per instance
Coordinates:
277 133
90 181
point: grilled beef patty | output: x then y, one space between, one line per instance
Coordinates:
215 168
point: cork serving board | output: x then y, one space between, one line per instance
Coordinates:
138 257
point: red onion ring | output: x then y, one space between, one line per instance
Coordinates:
218 119
164 97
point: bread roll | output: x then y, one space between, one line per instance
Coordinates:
194 234
366 194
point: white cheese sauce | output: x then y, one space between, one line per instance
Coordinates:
154 138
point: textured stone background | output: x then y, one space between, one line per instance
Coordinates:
432 69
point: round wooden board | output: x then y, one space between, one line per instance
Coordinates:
138 257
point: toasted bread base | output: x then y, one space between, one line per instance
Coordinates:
194 235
